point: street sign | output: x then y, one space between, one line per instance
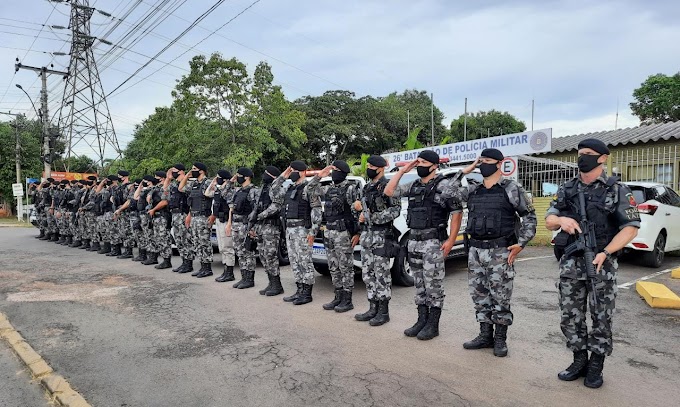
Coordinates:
509 168
18 189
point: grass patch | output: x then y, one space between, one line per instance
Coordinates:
14 222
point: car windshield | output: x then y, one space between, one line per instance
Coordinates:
405 179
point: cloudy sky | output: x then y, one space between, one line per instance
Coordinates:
575 58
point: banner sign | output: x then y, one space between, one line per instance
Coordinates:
58 175
529 142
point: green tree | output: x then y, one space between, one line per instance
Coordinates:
657 100
30 149
485 124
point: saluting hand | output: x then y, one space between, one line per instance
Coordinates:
287 172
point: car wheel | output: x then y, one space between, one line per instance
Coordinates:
656 256
283 252
559 252
401 271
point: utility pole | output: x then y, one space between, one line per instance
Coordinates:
45 117
465 122
532 114
432 116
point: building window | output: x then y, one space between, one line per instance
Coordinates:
664 174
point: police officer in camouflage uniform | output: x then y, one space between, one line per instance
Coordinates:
302 212
341 232
61 211
378 237
222 191
145 232
243 201
76 221
42 205
197 219
53 232
117 227
162 222
106 203
152 245
430 201
125 212
495 237
179 208
265 225
88 212
611 208
121 216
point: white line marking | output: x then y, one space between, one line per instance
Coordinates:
627 285
533 258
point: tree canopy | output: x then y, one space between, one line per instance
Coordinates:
657 100
485 124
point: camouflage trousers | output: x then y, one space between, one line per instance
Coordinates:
300 254
61 217
161 243
268 237
427 265
246 259
42 220
182 236
375 268
127 237
89 226
51 222
146 232
78 226
490 280
339 252
574 298
104 226
225 244
200 237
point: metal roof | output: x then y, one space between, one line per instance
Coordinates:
641 134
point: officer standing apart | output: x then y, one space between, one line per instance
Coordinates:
265 225
430 201
495 237
197 219
341 232
222 190
242 204
302 212
610 206
377 238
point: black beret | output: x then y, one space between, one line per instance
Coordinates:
123 173
429 155
492 153
298 165
595 145
113 177
161 174
246 172
92 177
86 182
50 179
201 166
64 181
149 178
180 167
377 160
342 166
275 171
224 174
138 181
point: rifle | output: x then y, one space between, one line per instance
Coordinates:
365 211
586 243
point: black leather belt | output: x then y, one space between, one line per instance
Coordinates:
338 225
176 210
198 213
419 237
295 223
493 243
273 222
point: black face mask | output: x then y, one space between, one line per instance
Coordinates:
338 176
240 179
267 179
371 173
587 163
294 176
423 171
487 169
195 174
158 181
220 181
175 174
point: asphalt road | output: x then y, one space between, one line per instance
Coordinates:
129 335
16 388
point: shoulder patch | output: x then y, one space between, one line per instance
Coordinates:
631 199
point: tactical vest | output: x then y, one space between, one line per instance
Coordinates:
98 204
376 200
177 199
597 212
423 211
220 207
106 204
119 194
57 197
141 202
242 205
156 198
68 197
490 214
296 207
198 201
264 202
335 204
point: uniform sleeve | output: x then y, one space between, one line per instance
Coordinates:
520 201
390 213
450 195
315 203
274 207
626 212
278 191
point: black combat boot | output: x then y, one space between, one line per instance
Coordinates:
127 254
227 274
54 237
383 315
47 236
423 314
243 278
62 239
115 250
594 378
207 270
431 328
184 261
292 298
484 339
305 296
105 249
268 287
151 258
188 268
95 246
345 302
85 245
67 241
141 256
166 264
75 243
42 234
500 347
578 368
339 295
249 280
370 314
276 287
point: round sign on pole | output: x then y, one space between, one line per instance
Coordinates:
509 167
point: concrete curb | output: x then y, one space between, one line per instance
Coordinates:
55 384
675 273
658 295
